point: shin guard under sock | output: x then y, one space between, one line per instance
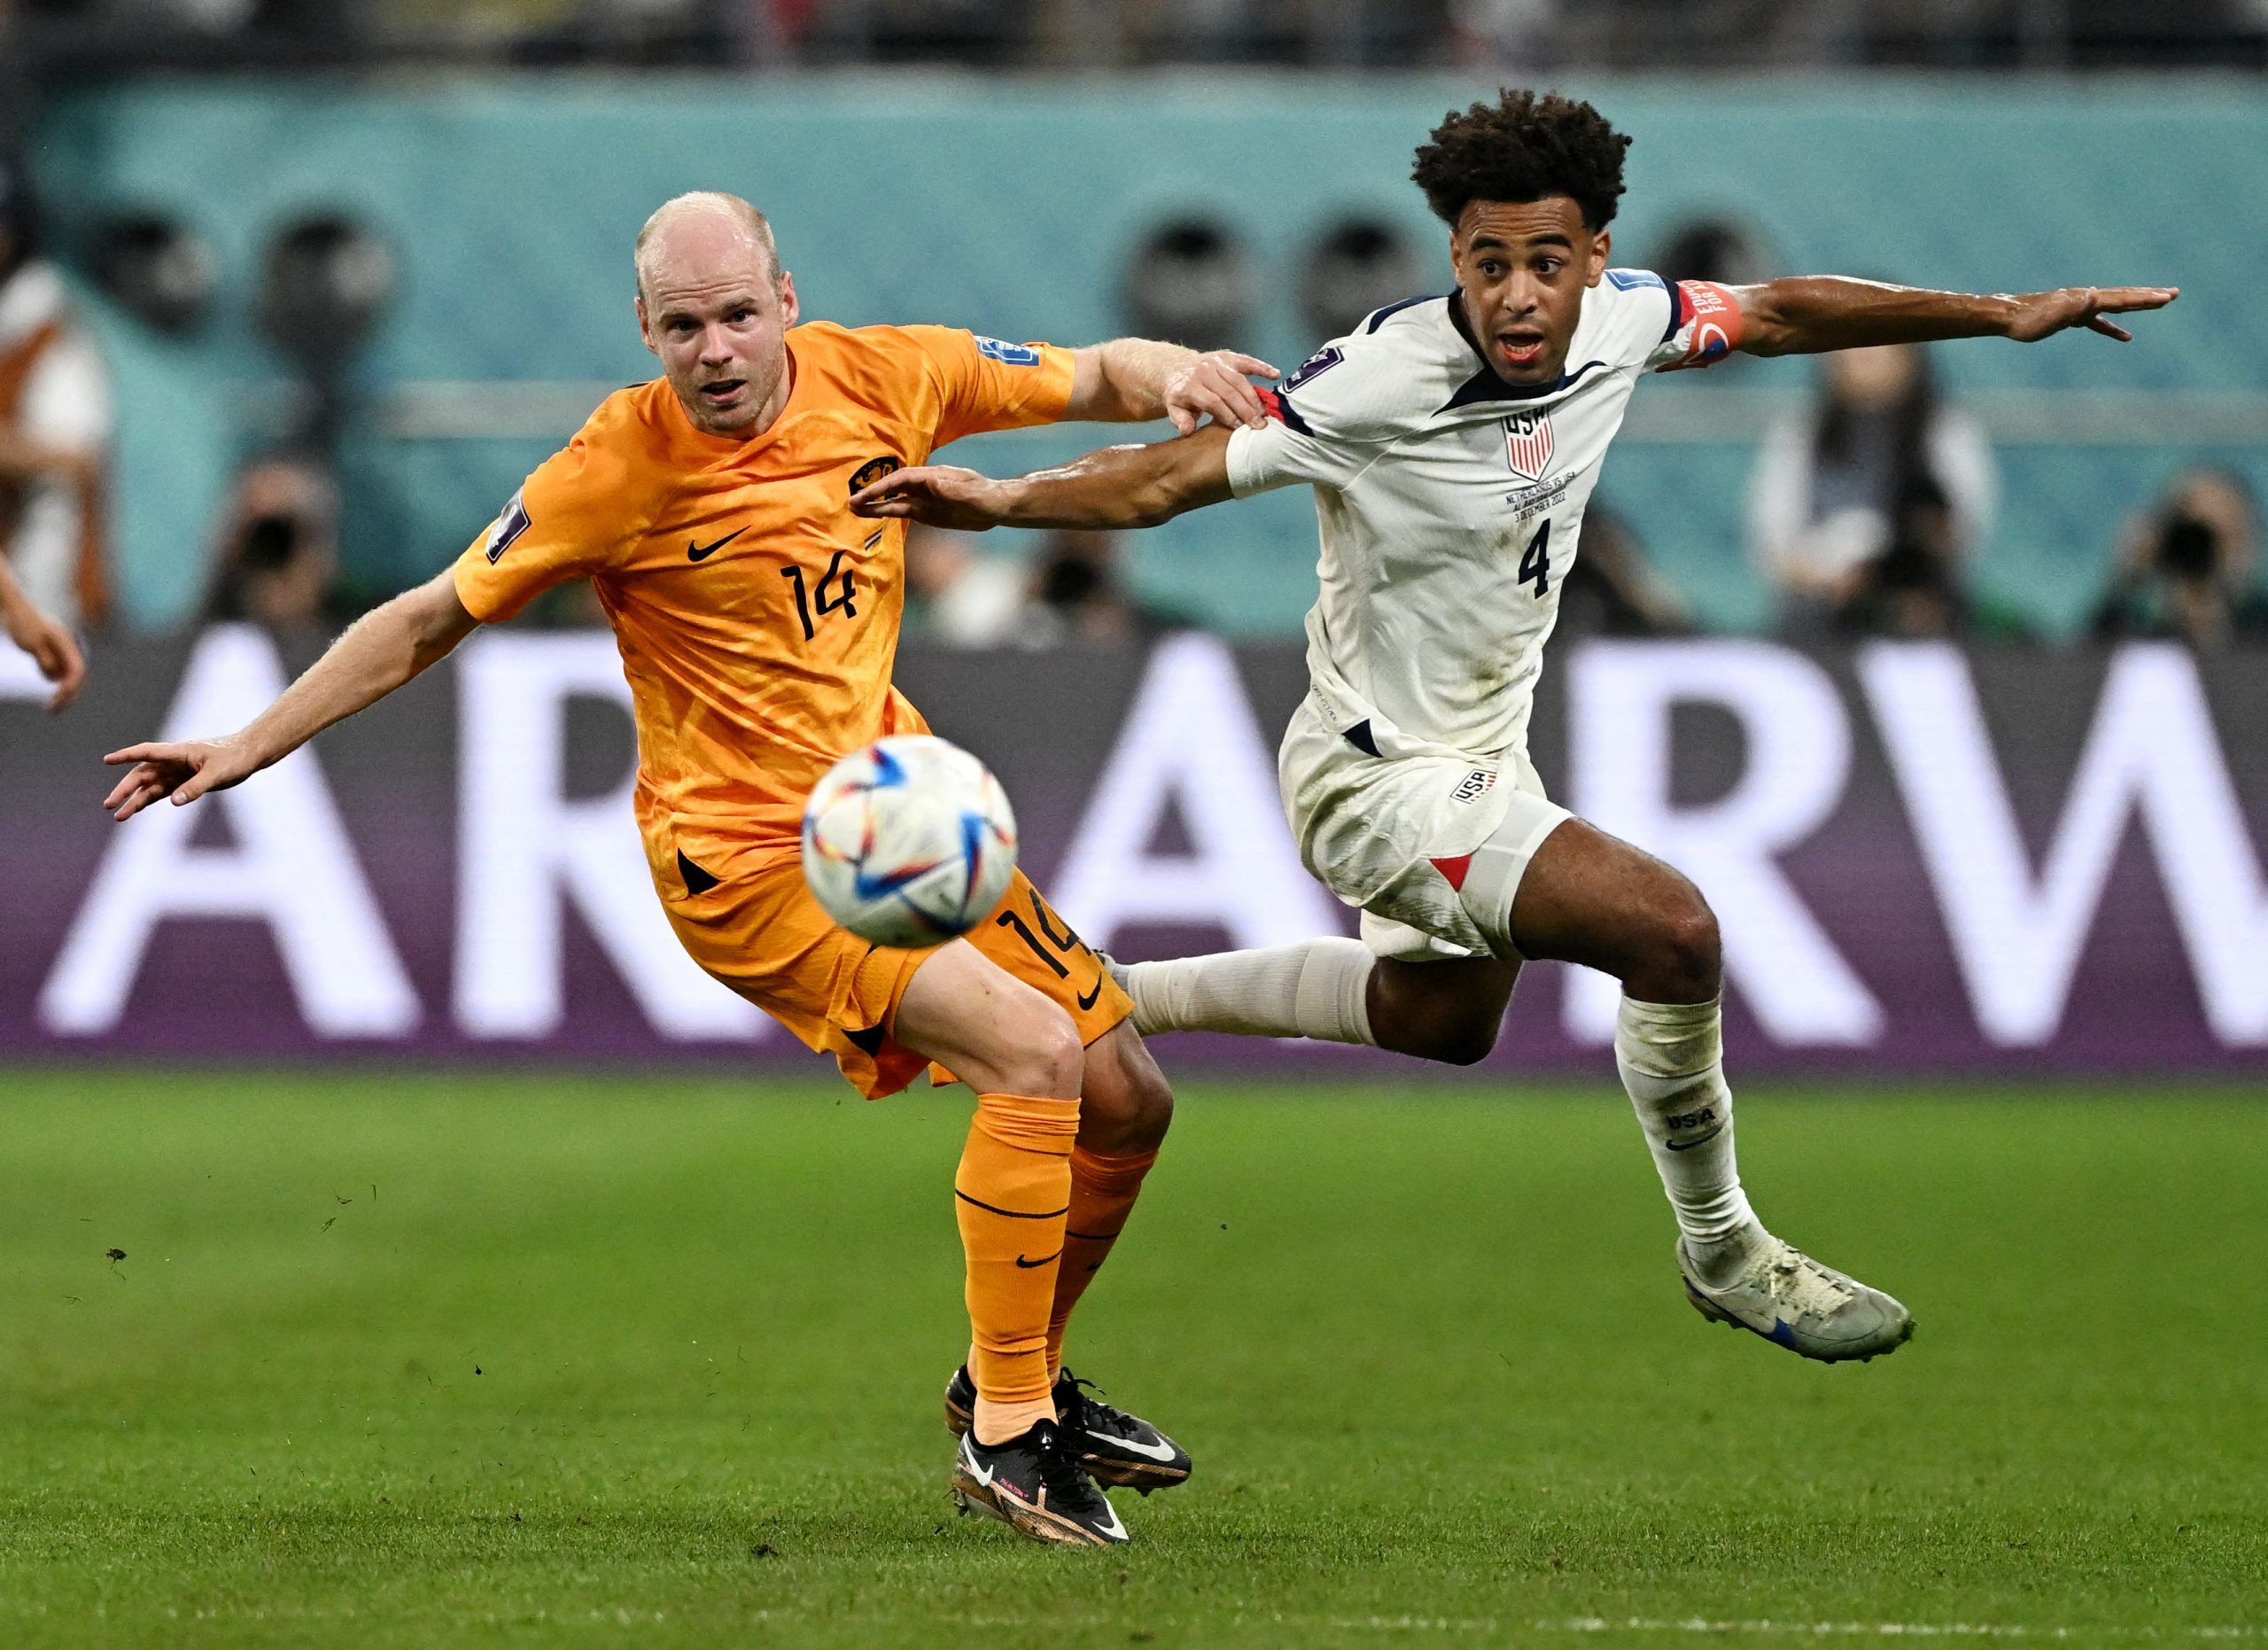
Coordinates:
1010 1198
1672 1060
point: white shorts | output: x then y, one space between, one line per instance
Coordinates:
1431 846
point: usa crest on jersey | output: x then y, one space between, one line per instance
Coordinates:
1528 444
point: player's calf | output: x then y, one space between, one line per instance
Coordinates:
1450 1010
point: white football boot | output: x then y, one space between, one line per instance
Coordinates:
1792 1301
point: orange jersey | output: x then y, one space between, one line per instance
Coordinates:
757 617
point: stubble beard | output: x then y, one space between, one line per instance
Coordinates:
742 419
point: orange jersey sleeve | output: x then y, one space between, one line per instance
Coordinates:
983 384
573 517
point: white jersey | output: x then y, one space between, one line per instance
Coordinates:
1450 502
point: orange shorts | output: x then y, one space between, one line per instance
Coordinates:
756 928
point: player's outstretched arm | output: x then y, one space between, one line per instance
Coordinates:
379 651
1118 487
52 646
1132 380
1806 313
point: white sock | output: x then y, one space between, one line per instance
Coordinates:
1672 1059
1313 989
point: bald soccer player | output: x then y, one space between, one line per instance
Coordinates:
758 620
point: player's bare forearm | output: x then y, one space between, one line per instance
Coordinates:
1131 375
1117 487
379 653
1806 313
1132 380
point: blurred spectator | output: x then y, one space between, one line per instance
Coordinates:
1079 594
2188 567
1191 284
278 554
15 83
1864 511
1071 589
1356 267
958 594
987 31
1612 590
1714 249
1503 32
156 268
55 419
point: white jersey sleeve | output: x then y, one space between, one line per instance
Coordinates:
1346 404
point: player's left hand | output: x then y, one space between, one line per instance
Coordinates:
2043 314
1215 385
941 495
53 648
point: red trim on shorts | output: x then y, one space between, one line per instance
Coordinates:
1456 870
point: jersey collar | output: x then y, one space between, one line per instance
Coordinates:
1485 385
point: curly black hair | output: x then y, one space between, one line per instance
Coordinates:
1524 146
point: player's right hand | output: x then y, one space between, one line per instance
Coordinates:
184 771
2043 314
938 494
52 647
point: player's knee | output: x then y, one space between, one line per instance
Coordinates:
1148 1110
1129 1115
1126 1105
1688 952
1042 1054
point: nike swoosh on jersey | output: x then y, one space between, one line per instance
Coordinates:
1089 999
1155 1452
1042 1261
702 552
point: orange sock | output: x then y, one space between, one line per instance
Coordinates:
1010 1197
1103 1187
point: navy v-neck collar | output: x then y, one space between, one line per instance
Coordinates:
1485 385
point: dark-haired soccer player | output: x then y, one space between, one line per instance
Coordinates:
1453 443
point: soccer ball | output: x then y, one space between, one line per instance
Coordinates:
908 841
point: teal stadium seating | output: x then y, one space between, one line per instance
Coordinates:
1011 205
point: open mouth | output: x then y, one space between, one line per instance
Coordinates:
1520 347
723 392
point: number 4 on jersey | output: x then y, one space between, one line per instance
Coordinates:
1535 560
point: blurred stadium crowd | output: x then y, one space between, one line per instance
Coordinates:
1866 506
1531 34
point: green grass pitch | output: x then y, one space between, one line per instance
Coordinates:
476 1359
